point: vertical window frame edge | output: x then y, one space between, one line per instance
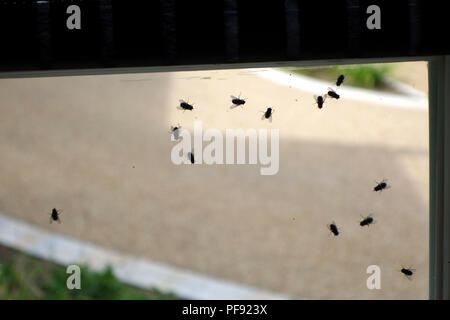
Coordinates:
439 140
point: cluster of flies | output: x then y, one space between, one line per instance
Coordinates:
238 101
267 114
367 221
319 101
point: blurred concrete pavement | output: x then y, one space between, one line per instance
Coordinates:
98 148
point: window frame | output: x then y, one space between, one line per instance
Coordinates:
439 142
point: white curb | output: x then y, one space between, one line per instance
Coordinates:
412 98
139 272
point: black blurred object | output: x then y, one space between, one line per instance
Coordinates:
119 33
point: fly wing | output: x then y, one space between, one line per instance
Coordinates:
409 277
406 276
233 97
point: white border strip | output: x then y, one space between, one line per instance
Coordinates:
135 271
414 99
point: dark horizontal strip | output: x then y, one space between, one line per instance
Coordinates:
184 34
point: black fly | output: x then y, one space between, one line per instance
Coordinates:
367 221
381 186
340 80
54 216
175 131
333 228
237 101
333 94
320 100
191 157
185 106
268 114
407 272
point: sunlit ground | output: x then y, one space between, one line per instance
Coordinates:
98 148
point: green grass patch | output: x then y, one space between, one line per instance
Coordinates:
27 278
370 76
